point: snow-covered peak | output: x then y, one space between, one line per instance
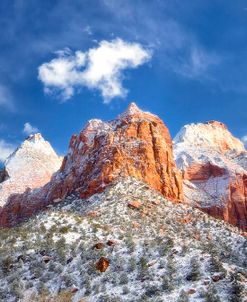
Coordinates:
35 143
213 135
31 165
35 137
132 109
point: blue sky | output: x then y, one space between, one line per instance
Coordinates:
64 62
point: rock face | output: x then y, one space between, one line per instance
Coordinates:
30 166
136 144
214 167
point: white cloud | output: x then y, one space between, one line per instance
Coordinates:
6 99
244 139
99 68
88 30
29 129
196 63
5 149
177 47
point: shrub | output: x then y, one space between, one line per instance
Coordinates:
211 295
125 290
152 290
171 269
194 273
216 265
132 264
123 278
237 290
64 229
6 264
166 284
183 297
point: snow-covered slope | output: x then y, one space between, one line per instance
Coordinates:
149 248
30 166
213 163
212 135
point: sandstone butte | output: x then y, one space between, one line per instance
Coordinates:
214 167
136 144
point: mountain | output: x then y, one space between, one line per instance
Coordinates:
214 167
136 144
119 222
126 244
29 167
210 170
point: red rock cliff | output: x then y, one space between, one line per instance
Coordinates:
136 144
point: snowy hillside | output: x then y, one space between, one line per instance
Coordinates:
126 244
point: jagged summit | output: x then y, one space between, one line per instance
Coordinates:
133 109
35 137
217 124
134 113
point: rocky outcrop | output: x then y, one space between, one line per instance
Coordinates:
102 265
136 144
202 172
29 167
213 163
135 204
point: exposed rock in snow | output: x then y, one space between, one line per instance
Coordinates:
30 166
213 163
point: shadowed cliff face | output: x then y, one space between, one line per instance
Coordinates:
3 175
136 144
213 163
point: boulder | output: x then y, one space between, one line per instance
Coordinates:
135 204
102 264
99 246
